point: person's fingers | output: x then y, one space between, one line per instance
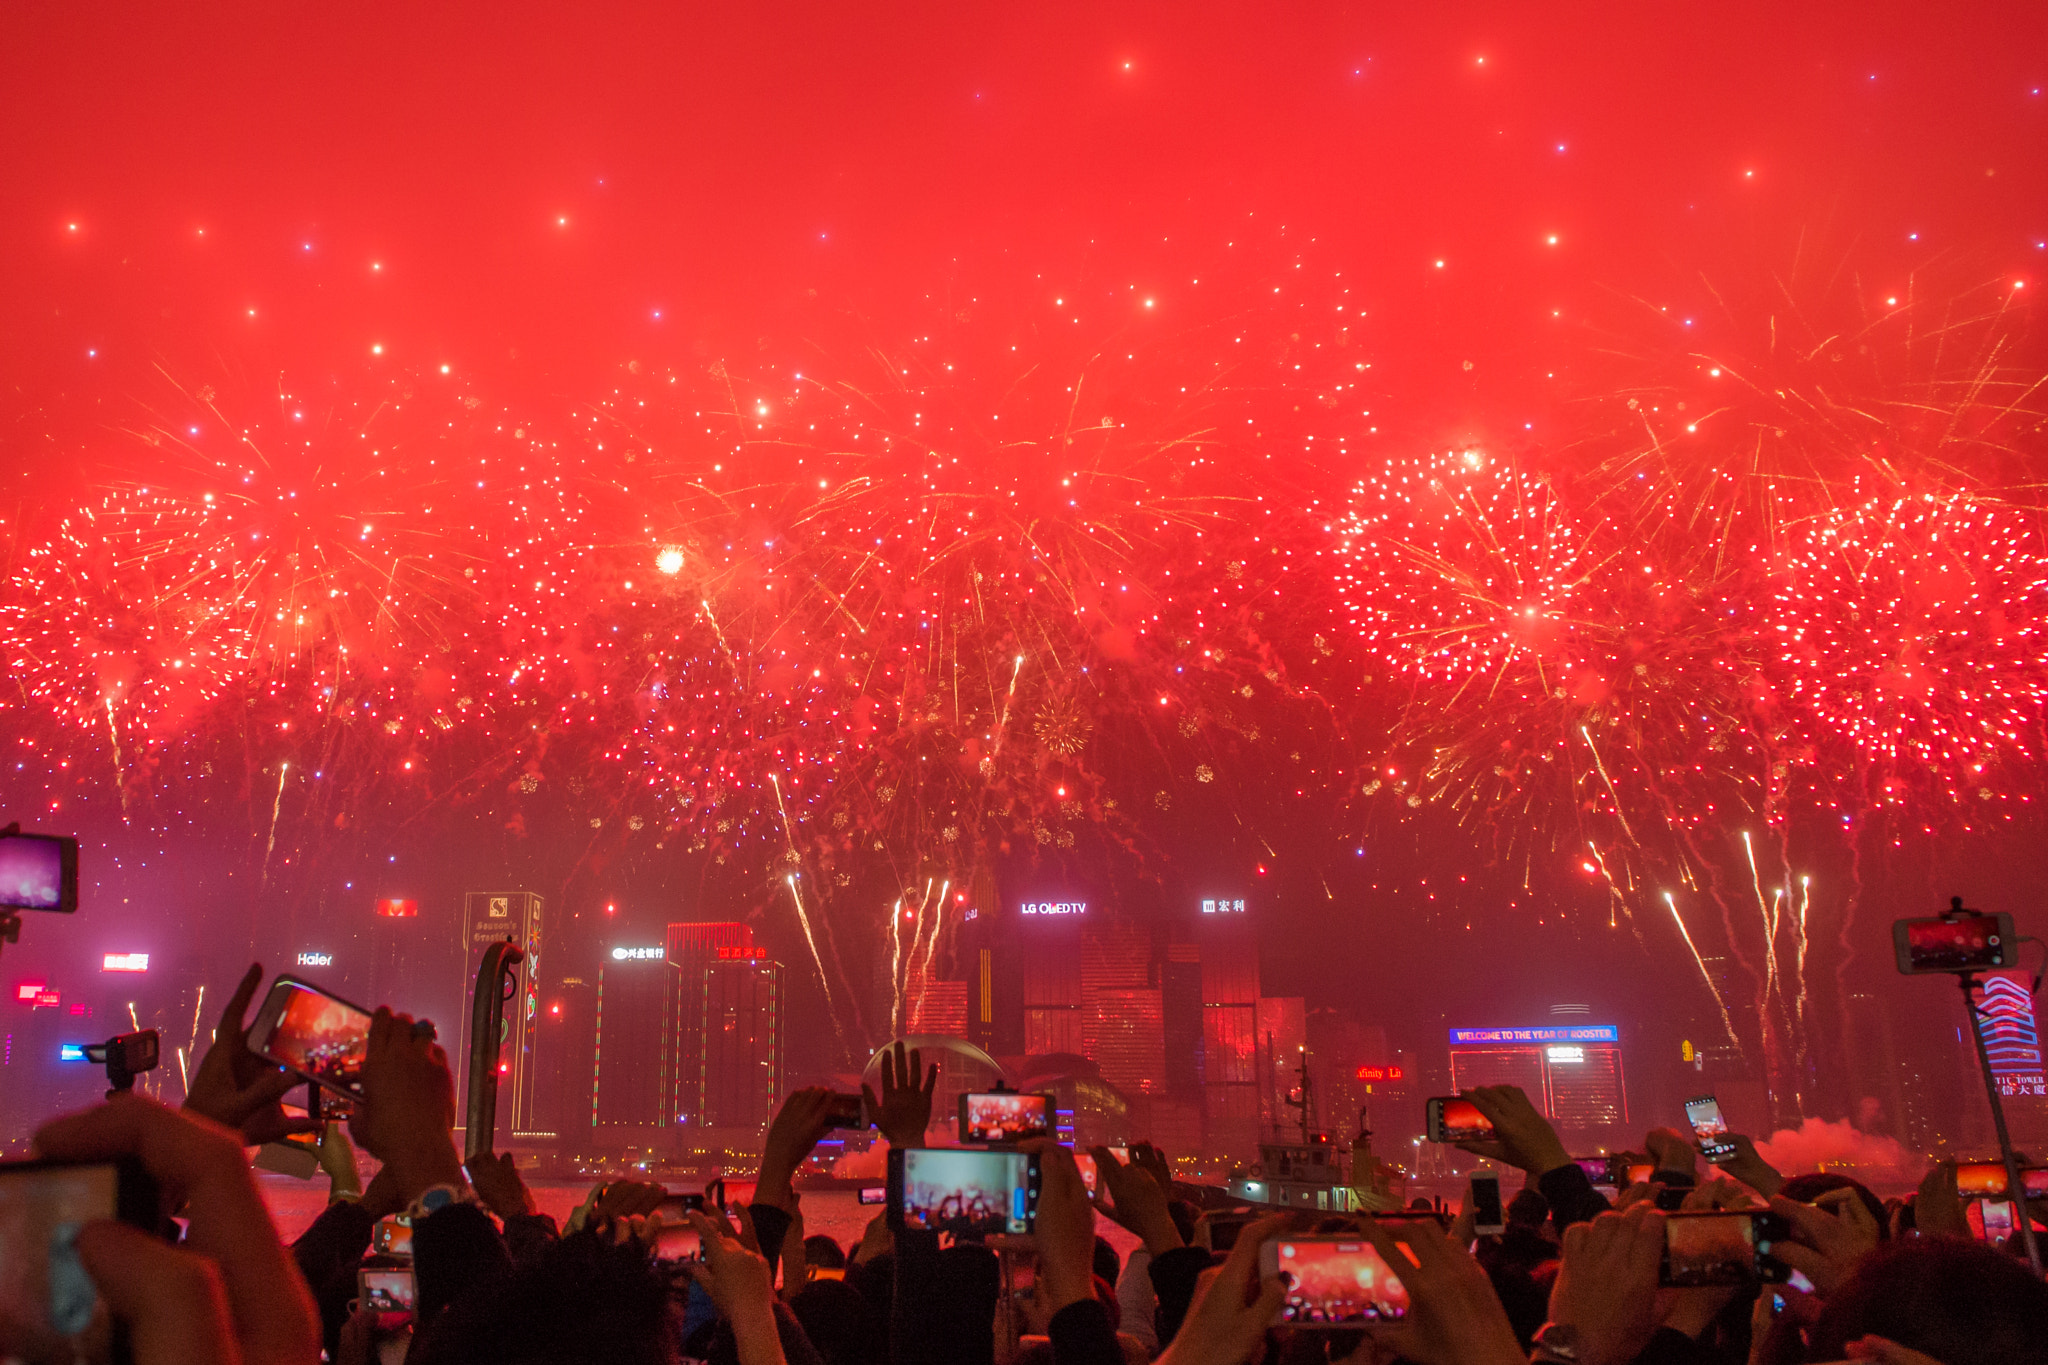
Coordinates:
1265 1309
931 1080
234 1015
870 1104
1406 1271
1809 1224
271 1087
173 1301
1646 1243
1803 1259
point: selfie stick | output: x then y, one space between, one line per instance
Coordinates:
497 980
2014 1187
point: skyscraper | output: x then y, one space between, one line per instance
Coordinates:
726 1028
631 1072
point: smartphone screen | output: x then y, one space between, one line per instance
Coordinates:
1089 1174
1639 1172
1457 1120
1995 1217
387 1289
1599 1170
874 1194
1980 1178
393 1236
49 1308
1487 1217
1333 1281
1704 1114
38 872
972 1191
677 1241
322 1037
1969 943
1720 1249
1004 1117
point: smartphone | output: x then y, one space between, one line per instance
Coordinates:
1722 1249
1977 1178
48 1305
1004 1116
390 1293
874 1194
675 1206
1089 1174
734 1195
973 1191
1224 1227
1639 1172
1966 943
39 872
1333 1281
317 1034
392 1236
847 1111
1996 1216
1704 1114
677 1241
1452 1119
1488 1219
1599 1169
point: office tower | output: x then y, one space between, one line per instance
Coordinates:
739 1063
1230 1006
630 1071
565 1054
1121 1026
493 917
1048 954
1571 1071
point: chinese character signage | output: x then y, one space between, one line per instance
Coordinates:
1229 907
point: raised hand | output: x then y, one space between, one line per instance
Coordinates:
230 1292
804 1118
1826 1242
1232 1307
1454 1317
1522 1137
740 1283
1136 1201
235 1087
905 1108
1606 1290
406 1116
1065 1228
495 1178
1750 1168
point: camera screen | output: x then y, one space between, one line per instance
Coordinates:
1970 943
1336 1282
677 1241
1704 1114
387 1291
48 1306
1981 1177
874 1194
1462 1122
320 1037
1089 1173
1003 1117
32 873
1711 1249
968 1191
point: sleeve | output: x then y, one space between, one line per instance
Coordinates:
527 1235
1081 1335
1173 1279
771 1229
327 1254
453 1250
1572 1196
1134 1295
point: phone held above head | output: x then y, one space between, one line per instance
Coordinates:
313 1032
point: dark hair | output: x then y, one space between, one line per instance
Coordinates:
840 1322
1804 1189
822 1250
1528 1209
1955 1300
580 1301
1183 1215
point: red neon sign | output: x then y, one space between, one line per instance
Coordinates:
1381 1073
398 909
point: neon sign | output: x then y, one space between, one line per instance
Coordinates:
655 954
1556 1033
316 959
125 962
1232 907
1054 908
1381 1073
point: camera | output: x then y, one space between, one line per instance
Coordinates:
1959 941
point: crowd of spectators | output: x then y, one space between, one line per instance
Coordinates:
1572 1278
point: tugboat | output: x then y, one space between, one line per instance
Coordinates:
1310 1173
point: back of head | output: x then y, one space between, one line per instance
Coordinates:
840 1322
1804 1189
579 1302
821 1250
1959 1302
1528 1209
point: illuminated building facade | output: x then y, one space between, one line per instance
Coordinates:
493 917
1571 1071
